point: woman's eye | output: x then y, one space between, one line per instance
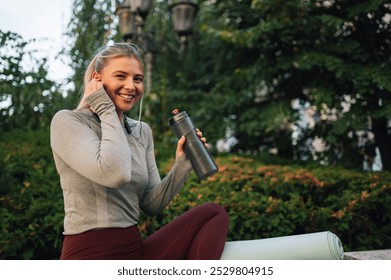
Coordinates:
138 79
120 76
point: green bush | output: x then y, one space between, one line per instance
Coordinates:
31 206
266 201
263 200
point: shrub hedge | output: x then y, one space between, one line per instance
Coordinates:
266 201
263 200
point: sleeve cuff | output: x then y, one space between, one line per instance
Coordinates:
100 101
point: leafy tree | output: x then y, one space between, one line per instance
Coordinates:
256 57
29 97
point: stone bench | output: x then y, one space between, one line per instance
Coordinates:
368 255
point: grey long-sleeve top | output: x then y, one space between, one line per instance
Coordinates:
107 175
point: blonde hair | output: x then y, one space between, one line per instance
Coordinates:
102 58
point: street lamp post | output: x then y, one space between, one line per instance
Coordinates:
183 15
132 14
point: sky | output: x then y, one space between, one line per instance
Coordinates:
40 19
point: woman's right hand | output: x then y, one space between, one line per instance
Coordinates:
92 86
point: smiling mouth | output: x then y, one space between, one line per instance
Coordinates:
126 97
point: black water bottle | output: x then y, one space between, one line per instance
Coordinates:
201 160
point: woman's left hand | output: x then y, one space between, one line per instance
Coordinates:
181 142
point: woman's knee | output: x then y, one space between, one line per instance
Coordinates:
217 209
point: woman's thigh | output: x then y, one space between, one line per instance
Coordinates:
176 239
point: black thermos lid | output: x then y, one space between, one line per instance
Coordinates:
177 116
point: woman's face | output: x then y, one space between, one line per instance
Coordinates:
122 79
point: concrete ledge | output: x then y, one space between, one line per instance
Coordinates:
368 255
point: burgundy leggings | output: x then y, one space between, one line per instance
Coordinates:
198 234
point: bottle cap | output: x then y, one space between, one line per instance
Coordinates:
177 116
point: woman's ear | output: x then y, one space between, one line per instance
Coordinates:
96 76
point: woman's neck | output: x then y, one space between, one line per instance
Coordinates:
120 115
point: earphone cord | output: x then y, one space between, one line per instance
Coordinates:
141 108
140 113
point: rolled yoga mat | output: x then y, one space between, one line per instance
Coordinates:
312 246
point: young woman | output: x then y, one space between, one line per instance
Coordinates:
108 173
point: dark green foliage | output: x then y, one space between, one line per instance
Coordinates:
31 206
250 59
